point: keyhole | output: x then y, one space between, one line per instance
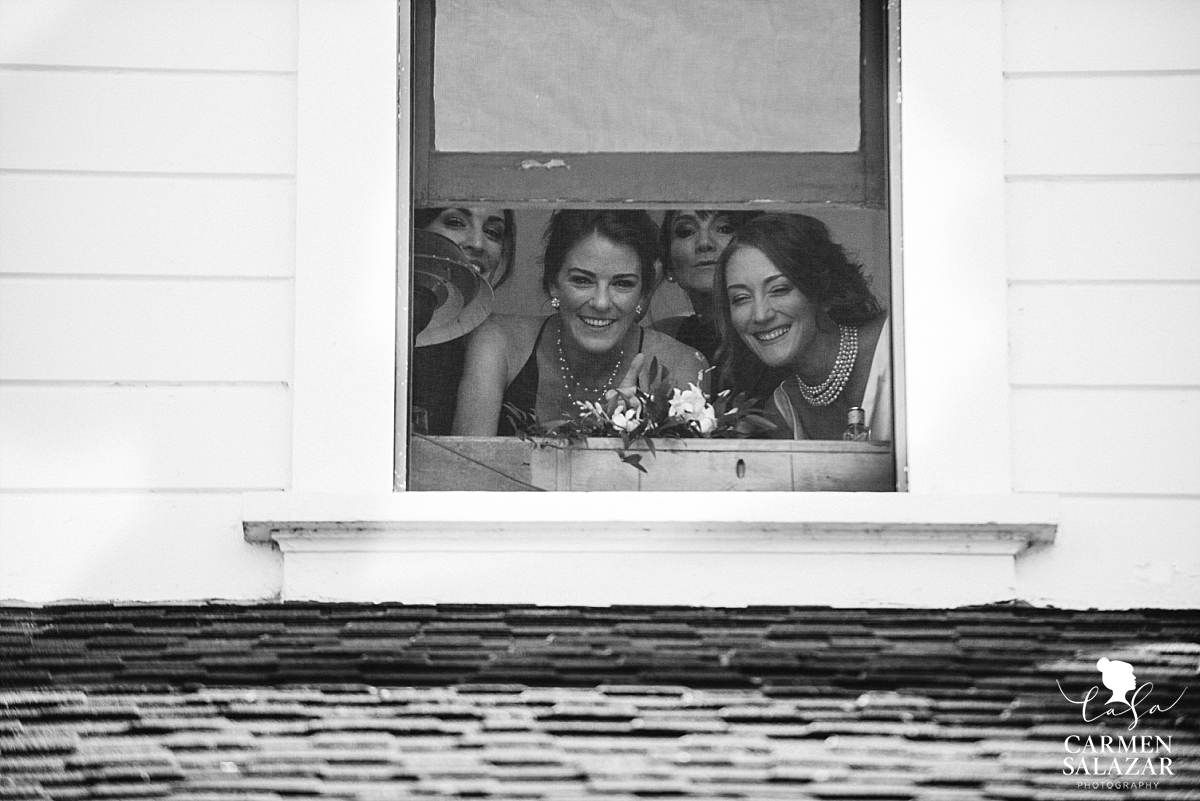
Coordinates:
741 468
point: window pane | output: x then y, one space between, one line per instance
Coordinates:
631 75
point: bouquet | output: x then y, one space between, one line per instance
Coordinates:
638 416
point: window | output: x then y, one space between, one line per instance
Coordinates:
533 106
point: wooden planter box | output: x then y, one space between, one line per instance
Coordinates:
699 465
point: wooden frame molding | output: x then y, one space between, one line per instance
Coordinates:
629 548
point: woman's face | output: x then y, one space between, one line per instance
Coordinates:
697 240
774 318
598 288
478 230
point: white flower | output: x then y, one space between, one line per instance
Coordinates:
706 420
626 418
687 402
691 405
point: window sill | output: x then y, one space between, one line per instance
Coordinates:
841 549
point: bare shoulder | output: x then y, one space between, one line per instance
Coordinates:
683 362
508 332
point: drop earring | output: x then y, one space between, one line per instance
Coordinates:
637 309
555 302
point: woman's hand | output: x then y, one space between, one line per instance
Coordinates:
628 387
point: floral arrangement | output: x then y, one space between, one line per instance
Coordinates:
637 416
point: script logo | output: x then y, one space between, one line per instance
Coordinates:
1110 762
1118 677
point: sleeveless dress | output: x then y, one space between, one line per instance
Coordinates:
877 399
522 392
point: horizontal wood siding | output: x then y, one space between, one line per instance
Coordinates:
1101 35
144 437
1102 109
1105 334
145 330
1090 563
103 224
92 546
1103 124
148 122
1138 441
147 247
1104 229
150 34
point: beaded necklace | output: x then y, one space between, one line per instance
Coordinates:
828 390
576 390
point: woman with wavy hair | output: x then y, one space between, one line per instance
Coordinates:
788 297
599 271
487 236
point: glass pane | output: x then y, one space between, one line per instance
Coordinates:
634 76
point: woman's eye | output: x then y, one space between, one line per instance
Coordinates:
684 231
494 234
781 289
627 284
735 300
724 229
579 280
454 222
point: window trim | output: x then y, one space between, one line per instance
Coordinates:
760 180
348 213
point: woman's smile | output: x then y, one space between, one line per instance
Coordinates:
597 322
772 334
774 318
598 290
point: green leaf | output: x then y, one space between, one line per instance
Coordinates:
634 459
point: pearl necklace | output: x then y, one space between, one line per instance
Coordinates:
574 389
828 390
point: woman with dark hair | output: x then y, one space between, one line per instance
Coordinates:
789 298
691 241
598 270
487 236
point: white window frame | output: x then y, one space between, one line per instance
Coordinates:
951 180
350 536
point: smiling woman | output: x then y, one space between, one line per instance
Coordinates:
642 138
790 299
599 272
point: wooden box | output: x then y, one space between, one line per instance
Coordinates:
698 465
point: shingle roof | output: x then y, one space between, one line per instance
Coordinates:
388 701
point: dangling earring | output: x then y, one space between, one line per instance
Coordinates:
555 302
637 309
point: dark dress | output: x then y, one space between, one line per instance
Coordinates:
436 373
522 392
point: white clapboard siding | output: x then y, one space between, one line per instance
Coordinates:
118 437
1123 441
1136 551
1109 334
1103 229
1102 125
156 34
148 122
131 546
60 223
98 329
1101 35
